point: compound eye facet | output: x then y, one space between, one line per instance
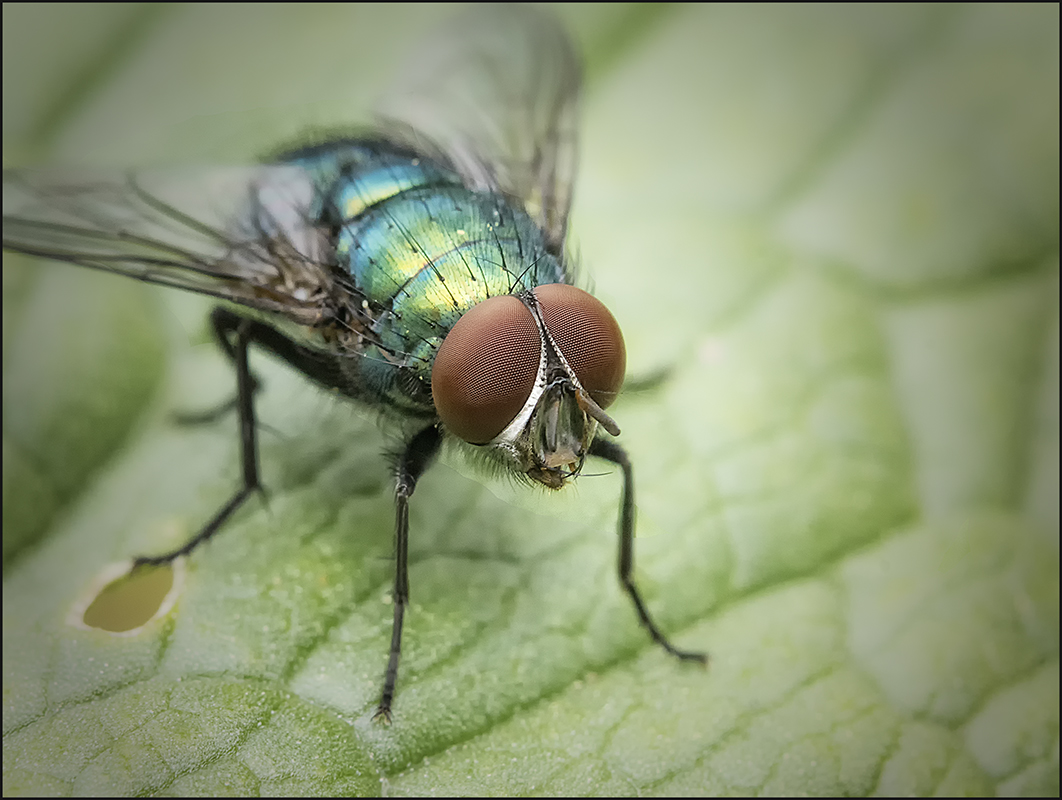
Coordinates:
486 368
588 336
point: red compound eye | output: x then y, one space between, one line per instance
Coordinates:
588 336
485 369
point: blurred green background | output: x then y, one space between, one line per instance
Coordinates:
836 227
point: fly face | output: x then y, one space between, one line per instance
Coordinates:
420 271
528 377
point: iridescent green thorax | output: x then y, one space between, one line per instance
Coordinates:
421 249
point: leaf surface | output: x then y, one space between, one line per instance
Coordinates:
834 230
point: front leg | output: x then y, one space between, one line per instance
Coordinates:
418 455
610 451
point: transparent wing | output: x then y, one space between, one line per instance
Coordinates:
496 90
238 234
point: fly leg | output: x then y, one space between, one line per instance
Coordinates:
226 323
417 457
610 451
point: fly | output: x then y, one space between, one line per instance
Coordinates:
419 271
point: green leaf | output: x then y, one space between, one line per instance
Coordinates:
835 228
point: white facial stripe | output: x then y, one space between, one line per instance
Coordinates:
514 428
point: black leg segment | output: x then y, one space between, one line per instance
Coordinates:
418 455
610 451
227 324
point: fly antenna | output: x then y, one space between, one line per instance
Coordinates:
596 412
